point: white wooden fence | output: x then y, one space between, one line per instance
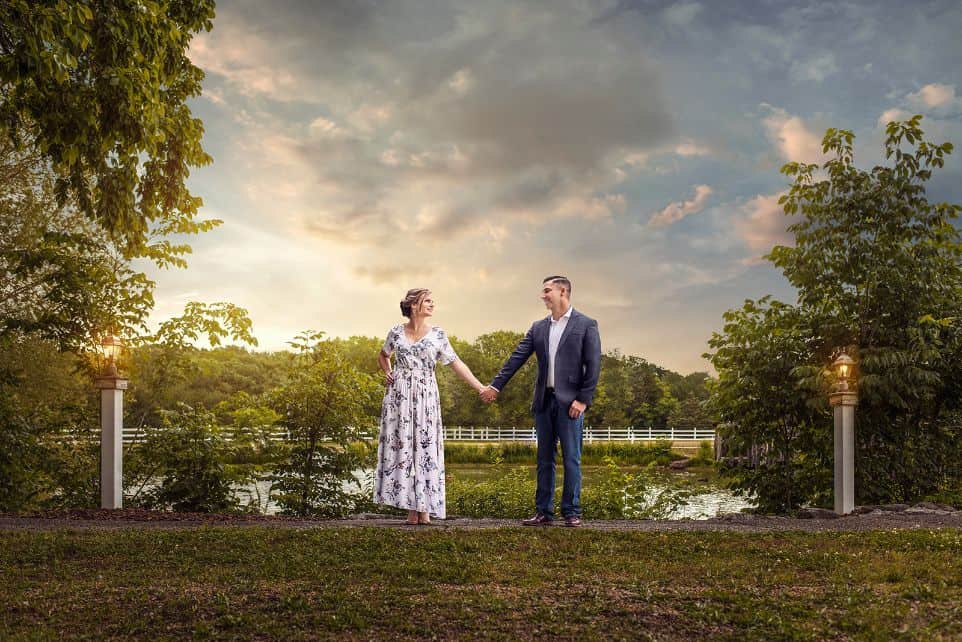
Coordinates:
591 433
527 433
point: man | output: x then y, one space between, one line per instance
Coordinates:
568 348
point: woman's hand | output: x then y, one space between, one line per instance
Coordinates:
384 362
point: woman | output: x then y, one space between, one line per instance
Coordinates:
410 452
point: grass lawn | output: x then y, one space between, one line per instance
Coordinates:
514 583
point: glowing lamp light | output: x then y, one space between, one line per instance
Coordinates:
843 366
111 346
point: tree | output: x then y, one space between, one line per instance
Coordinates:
48 420
611 404
164 362
460 405
778 430
691 413
96 142
878 270
691 385
99 90
60 279
323 409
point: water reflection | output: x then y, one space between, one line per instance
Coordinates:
712 502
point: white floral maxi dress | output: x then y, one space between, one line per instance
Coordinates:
410 451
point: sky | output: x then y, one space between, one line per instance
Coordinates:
473 147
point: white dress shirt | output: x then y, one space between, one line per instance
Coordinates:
554 340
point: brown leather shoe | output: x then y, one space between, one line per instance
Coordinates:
538 520
573 521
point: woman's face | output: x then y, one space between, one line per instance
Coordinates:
426 307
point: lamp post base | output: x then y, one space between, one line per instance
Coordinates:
844 409
111 441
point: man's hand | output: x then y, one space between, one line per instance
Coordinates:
577 409
488 394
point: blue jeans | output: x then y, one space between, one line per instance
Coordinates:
552 425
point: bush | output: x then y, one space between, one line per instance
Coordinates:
323 406
705 455
182 465
49 431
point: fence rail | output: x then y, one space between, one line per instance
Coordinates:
524 433
591 433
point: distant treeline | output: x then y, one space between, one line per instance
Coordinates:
631 390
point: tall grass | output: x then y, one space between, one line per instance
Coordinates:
592 454
614 495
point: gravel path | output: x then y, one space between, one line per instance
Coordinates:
870 518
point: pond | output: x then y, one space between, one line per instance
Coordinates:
707 499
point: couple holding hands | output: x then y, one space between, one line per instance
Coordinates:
410 457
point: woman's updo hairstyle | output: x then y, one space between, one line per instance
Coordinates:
412 299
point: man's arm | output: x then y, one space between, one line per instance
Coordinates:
515 361
591 360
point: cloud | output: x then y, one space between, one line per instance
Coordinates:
815 69
474 147
761 224
681 14
322 127
461 82
790 136
936 99
691 148
934 95
892 114
215 96
369 117
243 61
674 212
516 119
430 122
395 274
660 160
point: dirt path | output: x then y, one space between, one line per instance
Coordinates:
920 516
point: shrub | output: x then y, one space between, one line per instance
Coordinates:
182 465
705 455
323 406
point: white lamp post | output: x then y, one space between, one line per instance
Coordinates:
843 401
112 387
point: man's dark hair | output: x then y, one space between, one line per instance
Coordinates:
559 280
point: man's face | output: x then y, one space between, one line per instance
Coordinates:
551 294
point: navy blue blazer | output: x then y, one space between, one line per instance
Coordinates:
577 363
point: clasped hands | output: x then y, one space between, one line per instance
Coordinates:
488 394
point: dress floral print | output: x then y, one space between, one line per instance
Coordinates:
410 452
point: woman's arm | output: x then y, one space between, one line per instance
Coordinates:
384 361
464 372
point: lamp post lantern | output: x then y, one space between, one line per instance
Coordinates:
112 386
843 401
